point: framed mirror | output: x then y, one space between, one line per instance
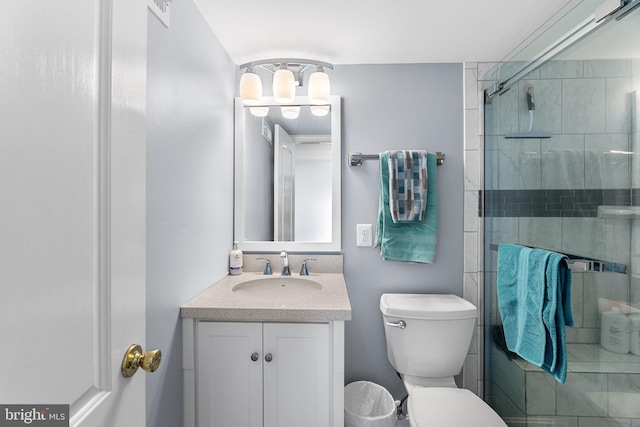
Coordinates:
287 176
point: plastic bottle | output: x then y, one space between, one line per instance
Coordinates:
635 333
615 333
235 260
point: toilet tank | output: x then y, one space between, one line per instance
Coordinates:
436 335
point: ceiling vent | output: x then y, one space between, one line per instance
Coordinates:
161 9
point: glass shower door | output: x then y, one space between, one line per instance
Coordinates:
571 185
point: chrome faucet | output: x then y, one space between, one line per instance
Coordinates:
285 268
303 270
267 267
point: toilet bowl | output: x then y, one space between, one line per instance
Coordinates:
428 337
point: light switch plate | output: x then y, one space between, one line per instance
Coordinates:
364 236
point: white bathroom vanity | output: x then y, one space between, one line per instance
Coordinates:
266 351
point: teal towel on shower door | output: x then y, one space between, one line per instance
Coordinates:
534 298
412 241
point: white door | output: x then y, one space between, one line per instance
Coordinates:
284 188
72 206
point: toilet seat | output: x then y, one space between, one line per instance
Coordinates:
450 407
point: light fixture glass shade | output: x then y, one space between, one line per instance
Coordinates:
250 88
284 86
259 111
320 110
319 87
290 111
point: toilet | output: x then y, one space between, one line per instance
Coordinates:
428 337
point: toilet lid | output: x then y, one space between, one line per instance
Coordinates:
450 407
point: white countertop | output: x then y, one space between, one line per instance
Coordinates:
219 303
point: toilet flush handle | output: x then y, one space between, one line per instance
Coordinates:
399 324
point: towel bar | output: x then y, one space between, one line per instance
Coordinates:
587 265
355 159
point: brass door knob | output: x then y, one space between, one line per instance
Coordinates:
134 358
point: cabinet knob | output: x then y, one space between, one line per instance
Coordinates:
268 357
254 356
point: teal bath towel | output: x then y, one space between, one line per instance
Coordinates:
411 241
534 298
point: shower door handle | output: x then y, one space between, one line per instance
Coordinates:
399 324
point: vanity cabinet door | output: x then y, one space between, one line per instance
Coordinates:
297 377
228 379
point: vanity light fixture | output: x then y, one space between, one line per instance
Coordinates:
288 74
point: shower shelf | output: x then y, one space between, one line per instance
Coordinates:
618 212
580 264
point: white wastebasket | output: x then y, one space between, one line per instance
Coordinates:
367 404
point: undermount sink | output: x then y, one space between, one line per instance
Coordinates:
278 288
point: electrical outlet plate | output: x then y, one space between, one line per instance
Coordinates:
364 236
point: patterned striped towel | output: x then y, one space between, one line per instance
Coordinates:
407 185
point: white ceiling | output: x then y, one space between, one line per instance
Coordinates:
375 31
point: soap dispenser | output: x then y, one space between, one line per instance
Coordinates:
235 260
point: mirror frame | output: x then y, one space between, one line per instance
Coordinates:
239 217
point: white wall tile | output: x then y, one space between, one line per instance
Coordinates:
607 68
604 422
541 393
540 232
471 252
618 105
584 236
506 113
624 398
583 108
562 70
471 88
471 210
471 129
577 301
583 395
563 162
487 70
519 164
604 169
472 167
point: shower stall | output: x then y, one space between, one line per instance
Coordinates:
562 172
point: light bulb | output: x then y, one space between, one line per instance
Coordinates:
259 111
250 88
319 87
290 112
284 85
319 110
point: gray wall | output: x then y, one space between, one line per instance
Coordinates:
189 187
413 106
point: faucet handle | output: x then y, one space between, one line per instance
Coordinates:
303 270
267 267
